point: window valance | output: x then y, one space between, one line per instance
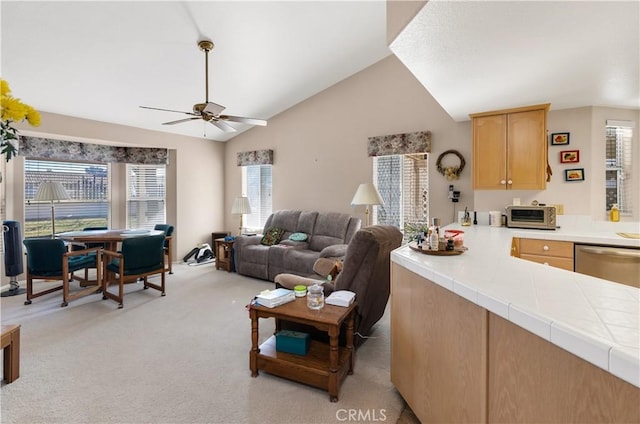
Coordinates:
255 157
48 148
400 144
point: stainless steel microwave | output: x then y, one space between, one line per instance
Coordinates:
536 217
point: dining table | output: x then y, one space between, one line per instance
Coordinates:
110 238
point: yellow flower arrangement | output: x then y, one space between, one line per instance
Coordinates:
13 110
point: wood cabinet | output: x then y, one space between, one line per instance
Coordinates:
510 149
547 252
438 350
454 361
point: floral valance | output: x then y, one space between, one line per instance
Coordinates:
48 148
255 157
400 144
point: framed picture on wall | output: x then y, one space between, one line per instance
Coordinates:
570 156
559 139
576 174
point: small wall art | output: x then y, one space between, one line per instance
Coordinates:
560 139
570 156
575 174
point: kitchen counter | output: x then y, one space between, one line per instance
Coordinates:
578 230
594 319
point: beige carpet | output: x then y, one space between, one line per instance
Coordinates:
183 358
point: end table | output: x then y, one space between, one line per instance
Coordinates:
224 254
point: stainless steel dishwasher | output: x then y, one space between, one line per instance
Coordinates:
619 264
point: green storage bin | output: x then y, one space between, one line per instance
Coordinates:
293 342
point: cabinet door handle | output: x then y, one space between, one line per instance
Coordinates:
545 247
510 182
503 182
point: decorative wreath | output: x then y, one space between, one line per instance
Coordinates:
451 172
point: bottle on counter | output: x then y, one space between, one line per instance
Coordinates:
434 236
614 213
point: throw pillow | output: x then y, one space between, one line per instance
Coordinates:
272 236
298 237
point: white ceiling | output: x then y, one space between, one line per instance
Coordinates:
480 56
101 60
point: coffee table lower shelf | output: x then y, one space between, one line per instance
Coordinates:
312 368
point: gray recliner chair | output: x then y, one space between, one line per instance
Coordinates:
366 272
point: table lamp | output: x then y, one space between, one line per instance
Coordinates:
368 195
51 191
240 207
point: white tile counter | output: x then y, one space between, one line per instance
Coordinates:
579 230
595 319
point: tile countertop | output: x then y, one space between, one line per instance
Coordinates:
596 320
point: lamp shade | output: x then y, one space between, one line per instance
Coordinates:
367 194
241 206
50 191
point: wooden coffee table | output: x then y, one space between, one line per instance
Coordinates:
325 365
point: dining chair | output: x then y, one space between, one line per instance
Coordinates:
49 259
139 258
74 247
168 244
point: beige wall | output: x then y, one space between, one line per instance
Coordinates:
586 127
399 14
320 145
195 175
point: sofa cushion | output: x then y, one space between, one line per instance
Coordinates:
307 222
331 228
300 261
272 236
298 237
286 219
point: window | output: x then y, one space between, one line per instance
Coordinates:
618 158
403 183
146 189
256 185
87 185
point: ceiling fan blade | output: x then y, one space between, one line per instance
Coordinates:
180 121
169 110
251 121
213 108
223 125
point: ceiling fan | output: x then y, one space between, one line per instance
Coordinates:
210 111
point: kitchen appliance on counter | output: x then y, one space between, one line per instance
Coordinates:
618 264
536 217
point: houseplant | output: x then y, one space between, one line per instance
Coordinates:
13 110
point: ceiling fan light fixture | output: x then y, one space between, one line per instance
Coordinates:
209 111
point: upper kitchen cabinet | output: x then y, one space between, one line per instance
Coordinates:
510 149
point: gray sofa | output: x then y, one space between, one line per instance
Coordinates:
328 234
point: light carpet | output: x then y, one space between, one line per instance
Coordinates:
182 358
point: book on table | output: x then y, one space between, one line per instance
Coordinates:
342 298
276 297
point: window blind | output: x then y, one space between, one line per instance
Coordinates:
146 195
403 183
619 138
257 187
87 185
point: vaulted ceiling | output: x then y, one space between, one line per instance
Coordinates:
102 60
